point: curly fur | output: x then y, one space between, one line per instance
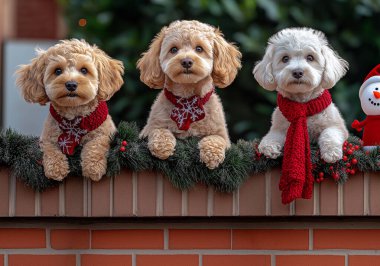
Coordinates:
217 64
40 84
321 73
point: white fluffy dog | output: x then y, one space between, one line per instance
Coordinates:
300 65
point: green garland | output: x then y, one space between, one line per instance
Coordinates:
184 169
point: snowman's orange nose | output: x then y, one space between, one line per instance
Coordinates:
376 94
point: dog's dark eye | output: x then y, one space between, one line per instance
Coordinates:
58 71
174 50
199 49
310 58
84 70
285 59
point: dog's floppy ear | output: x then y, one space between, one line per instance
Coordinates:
110 74
335 67
263 71
226 61
149 64
30 78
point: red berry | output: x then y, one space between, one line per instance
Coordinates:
348 165
321 174
122 148
356 147
350 152
345 143
124 143
321 179
348 171
354 161
350 145
344 148
335 176
345 158
352 172
331 168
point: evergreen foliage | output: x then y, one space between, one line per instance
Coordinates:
184 169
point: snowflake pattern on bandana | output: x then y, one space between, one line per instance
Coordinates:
74 130
187 110
72 134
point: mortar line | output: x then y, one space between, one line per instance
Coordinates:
235 203
85 207
273 260
200 260
268 207
366 207
77 258
184 201
6 259
47 235
61 198
340 199
89 198
311 238
134 259
37 203
166 238
316 194
134 193
159 194
346 260
12 196
210 202
111 195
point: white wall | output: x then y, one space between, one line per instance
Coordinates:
24 117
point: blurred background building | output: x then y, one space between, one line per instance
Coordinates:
124 28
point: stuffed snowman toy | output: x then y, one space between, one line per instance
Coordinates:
369 94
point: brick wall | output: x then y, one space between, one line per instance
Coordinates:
139 219
190 245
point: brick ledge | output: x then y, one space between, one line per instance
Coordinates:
149 194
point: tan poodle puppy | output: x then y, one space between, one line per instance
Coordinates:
77 79
187 59
300 65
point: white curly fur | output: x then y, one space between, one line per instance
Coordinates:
320 71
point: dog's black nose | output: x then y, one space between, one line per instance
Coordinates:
71 85
187 63
298 73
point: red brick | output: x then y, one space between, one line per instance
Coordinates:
238 260
74 196
347 239
41 260
103 260
1 260
309 260
128 239
70 239
100 197
360 260
22 238
282 239
199 239
167 260
4 188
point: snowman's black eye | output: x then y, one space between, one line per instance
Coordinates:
376 89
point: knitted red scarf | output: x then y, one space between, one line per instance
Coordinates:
187 110
296 178
73 130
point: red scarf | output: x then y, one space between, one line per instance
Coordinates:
187 110
296 178
73 130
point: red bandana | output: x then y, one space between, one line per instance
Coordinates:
296 178
75 129
187 110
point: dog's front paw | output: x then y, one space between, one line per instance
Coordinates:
56 166
212 151
331 154
161 143
94 168
270 150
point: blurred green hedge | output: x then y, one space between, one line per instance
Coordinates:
124 29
